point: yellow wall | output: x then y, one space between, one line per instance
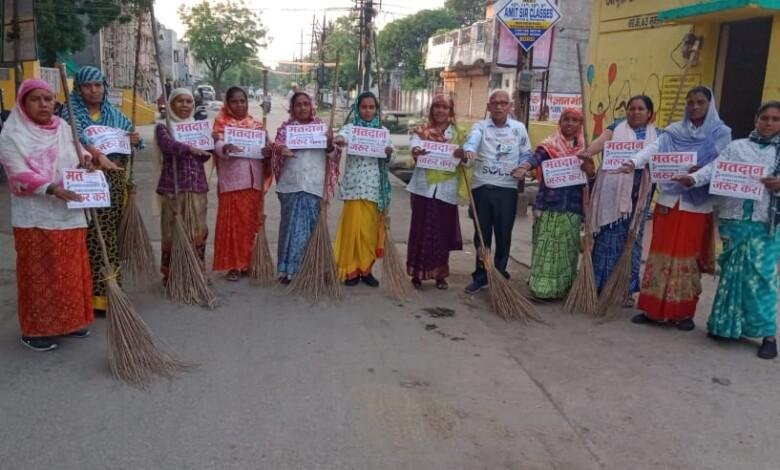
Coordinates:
647 59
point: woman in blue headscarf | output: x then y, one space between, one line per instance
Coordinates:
682 223
90 106
365 190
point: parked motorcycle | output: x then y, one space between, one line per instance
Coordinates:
201 112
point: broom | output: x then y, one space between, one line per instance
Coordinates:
261 268
583 295
135 248
505 301
186 281
134 354
619 281
318 276
395 284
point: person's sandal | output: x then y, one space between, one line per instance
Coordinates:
39 344
768 349
441 284
83 333
233 275
416 283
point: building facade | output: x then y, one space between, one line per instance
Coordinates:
664 47
482 57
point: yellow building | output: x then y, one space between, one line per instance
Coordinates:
662 48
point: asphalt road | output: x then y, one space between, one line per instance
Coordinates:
436 382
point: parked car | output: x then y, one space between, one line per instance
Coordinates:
207 92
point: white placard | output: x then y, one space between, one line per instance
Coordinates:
368 142
196 134
249 141
665 166
438 156
109 140
617 152
738 180
90 185
563 172
306 136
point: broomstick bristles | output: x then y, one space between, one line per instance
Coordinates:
135 247
505 301
186 281
395 283
616 289
261 268
583 296
318 276
134 354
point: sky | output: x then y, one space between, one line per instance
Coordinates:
284 20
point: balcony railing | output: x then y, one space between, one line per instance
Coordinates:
464 47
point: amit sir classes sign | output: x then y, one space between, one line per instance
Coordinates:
528 20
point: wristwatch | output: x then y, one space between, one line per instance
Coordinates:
50 189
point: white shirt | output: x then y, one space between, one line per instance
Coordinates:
499 151
303 172
742 150
446 191
642 159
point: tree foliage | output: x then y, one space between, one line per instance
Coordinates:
466 11
222 35
343 40
401 43
61 24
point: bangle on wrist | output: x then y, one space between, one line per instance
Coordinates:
50 189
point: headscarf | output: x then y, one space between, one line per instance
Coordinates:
109 115
557 145
226 118
331 166
714 135
611 197
452 134
385 190
32 153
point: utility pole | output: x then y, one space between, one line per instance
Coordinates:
299 66
366 37
523 85
321 53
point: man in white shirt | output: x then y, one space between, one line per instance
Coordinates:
495 147
294 89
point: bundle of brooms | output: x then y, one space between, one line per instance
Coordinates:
318 276
134 354
616 290
135 247
505 301
261 266
583 296
186 281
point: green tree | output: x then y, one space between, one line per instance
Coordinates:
401 43
222 35
61 24
343 40
244 74
466 11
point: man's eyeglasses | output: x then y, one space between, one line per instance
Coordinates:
499 103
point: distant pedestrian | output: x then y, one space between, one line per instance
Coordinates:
294 88
186 191
682 223
558 212
435 227
241 195
91 107
53 278
303 178
495 148
746 300
615 197
365 190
